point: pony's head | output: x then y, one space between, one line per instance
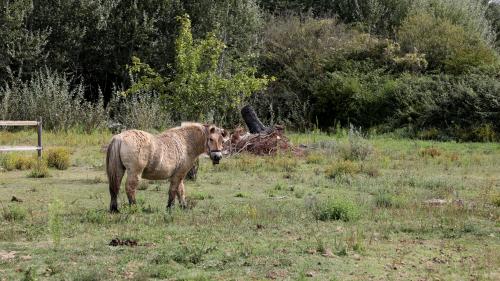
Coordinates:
215 141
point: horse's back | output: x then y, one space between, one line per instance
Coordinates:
145 153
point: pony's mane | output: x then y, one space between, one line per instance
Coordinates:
187 124
183 127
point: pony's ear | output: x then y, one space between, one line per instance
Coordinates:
209 128
224 133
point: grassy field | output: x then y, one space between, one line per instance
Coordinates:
351 209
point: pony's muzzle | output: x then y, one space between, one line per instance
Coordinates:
216 157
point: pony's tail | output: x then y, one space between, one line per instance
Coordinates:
115 171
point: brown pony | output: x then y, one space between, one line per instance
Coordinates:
169 155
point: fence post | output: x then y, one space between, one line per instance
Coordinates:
39 138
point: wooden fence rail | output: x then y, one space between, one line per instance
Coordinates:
38 148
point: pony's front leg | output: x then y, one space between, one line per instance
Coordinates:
181 195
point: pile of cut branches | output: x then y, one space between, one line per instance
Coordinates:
260 140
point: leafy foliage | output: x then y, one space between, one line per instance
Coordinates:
21 50
198 89
447 46
336 62
336 209
455 105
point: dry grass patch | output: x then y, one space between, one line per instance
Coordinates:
430 152
58 158
14 161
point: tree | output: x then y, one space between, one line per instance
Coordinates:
198 90
447 46
22 50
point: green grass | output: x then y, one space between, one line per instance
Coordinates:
259 217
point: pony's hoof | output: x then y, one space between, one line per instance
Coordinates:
114 211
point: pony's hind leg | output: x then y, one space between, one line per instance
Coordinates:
114 189
131 185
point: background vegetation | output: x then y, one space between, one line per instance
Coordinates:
426 68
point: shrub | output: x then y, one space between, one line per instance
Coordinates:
14 213
299 51
460 107
486 133
240 195
315 158
357 148
448 46
94 216
496 200
198 195
30 274
360 148
370 169
14 161
430 151
385 199
25 162
39 170
58 158
469 14
9 162
141 110
429 134
50 95
336 209
284 163
342 168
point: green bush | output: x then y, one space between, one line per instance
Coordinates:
447 46
342 168
14 213
58 158
462 107
386 199
94 216
336 209
315 158
299 52
378 16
